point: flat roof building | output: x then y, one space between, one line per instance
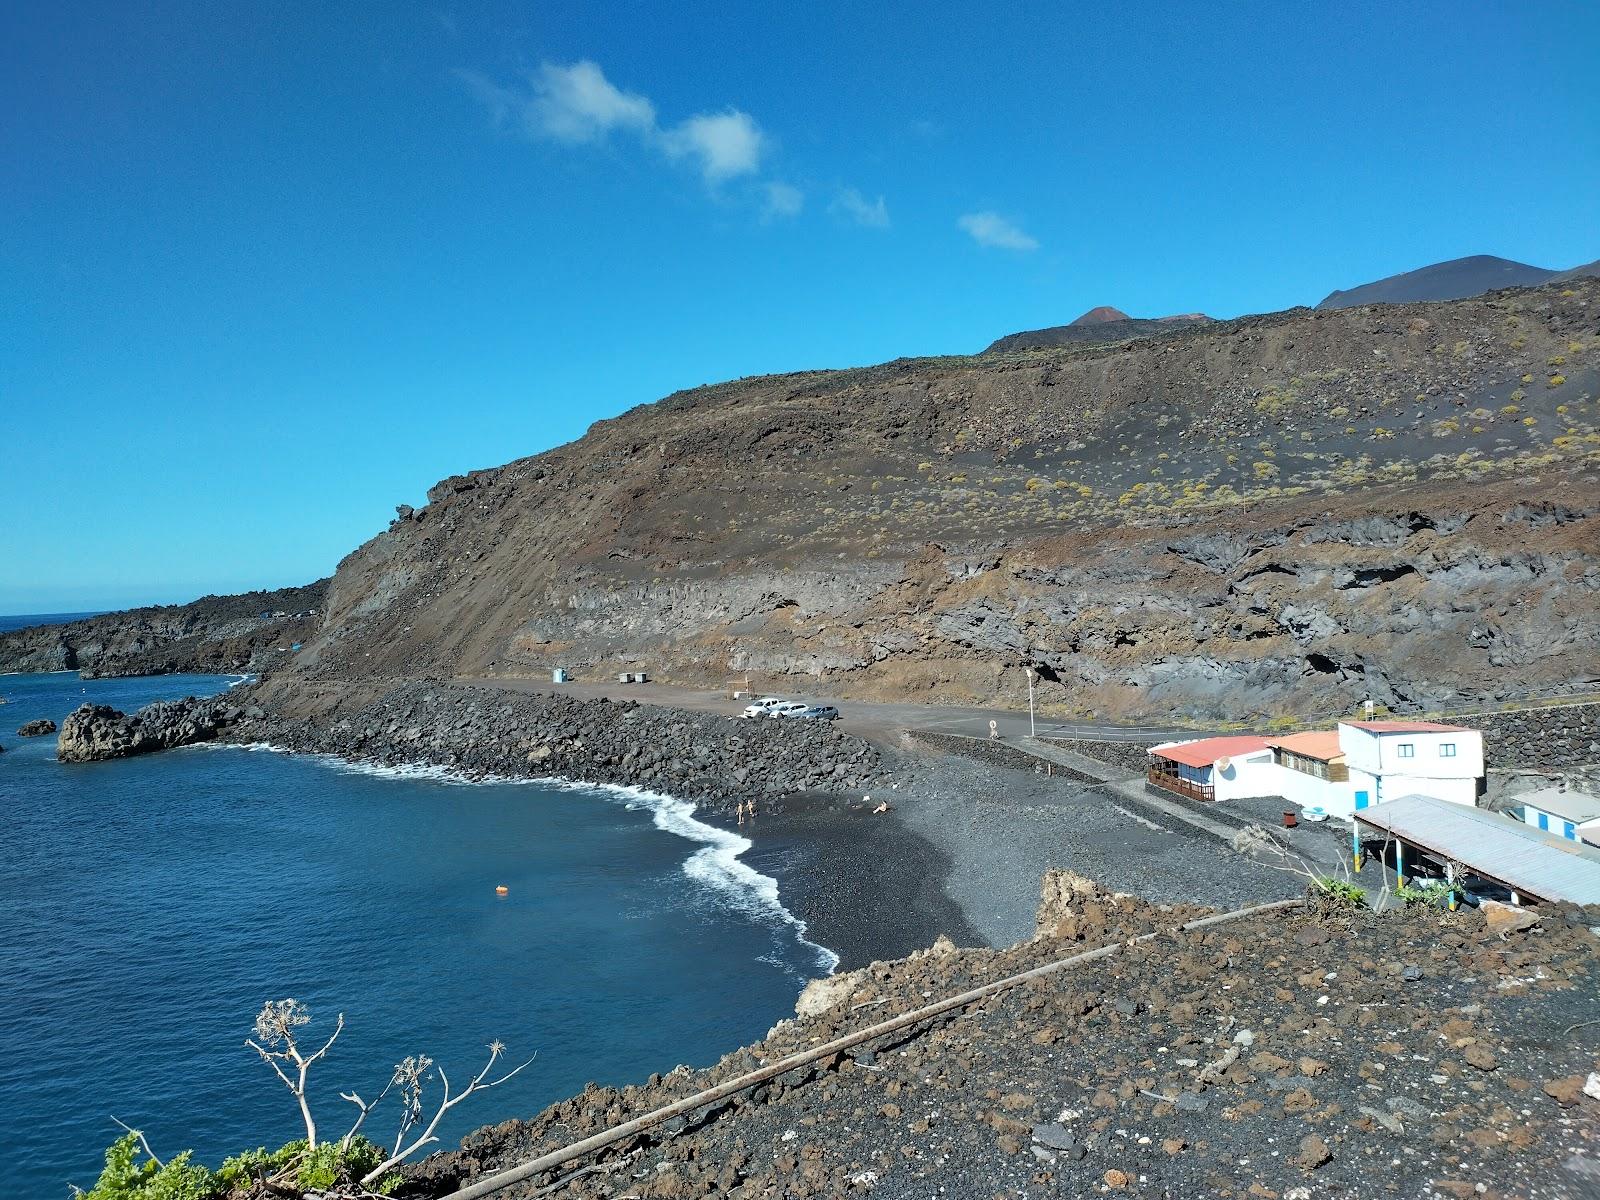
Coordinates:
1573 815
1531 863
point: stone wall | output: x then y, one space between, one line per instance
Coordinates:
1128 756
1541 739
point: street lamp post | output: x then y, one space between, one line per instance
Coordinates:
1032 675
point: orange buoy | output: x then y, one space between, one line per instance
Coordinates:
501 890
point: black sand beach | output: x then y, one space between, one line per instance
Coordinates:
867 886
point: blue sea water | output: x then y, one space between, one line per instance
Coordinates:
149 906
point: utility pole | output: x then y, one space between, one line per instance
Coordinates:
1032 675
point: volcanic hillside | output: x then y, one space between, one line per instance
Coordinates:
1098 325
1275 514
1452 280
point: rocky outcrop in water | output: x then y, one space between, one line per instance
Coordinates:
37 728
94 732
480 732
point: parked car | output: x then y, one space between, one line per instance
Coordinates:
788 708
820 712
762 707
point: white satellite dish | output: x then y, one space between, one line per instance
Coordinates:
1224 763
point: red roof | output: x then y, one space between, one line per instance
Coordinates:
1323 744
1206 751
1406 727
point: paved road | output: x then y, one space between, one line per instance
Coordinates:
872 720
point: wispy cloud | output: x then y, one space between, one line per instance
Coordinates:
576 104
782 200
722 145
991 229
874 214
579 104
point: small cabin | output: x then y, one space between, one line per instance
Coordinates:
1572 815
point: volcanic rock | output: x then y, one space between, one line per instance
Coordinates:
94 732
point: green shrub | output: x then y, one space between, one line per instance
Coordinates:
1411 894
1341 891
130 1174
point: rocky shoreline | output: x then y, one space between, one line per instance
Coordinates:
1287 1054
248 633
715 761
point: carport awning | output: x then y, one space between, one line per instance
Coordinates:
1528 860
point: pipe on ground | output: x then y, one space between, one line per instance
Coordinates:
732 1087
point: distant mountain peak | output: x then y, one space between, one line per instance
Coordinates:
1098 325
1453 280
1102 314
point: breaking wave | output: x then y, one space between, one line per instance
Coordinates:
716 866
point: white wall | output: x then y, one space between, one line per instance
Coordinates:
1380 753
1245 776
1555 824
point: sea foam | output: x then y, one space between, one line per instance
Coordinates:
716 866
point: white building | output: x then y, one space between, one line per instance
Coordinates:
1219 768
1360 764
1390 759
1573 815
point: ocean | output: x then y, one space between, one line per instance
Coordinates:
149 906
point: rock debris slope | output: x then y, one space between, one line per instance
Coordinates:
1281 514
1319 1053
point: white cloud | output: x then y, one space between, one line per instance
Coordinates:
783 200
579 104
991 229
722 145
874 214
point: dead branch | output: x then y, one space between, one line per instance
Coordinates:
410 1076
275 1027
138 1134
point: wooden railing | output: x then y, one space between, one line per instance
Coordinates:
1180 786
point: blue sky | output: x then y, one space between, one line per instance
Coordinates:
268 270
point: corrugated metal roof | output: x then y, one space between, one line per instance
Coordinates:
1206 751
1542 865
1571 806
1407 727
1322 744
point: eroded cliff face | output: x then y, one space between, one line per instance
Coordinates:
1285 514
250 632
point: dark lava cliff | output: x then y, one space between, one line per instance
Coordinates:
1279 514
215 634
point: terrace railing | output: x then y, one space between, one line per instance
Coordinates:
1180 786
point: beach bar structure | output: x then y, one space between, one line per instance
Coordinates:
1438 836
1210 768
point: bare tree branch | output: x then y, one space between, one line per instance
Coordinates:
138 1134
411 1075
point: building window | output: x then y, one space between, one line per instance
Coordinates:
1447 749
1406 750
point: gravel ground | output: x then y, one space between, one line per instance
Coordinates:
1301 1055
1003 829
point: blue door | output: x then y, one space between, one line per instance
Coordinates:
1361 799
1568 829
1544 821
